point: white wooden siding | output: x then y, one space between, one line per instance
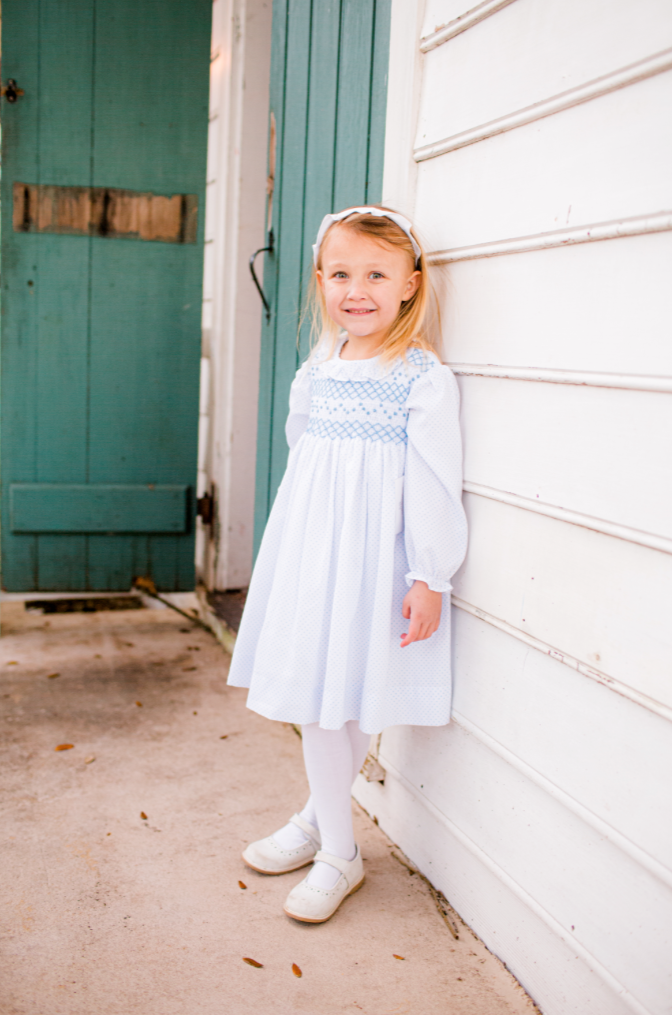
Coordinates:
542 811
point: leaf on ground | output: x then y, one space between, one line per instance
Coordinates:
64 747
91 757
296 970
400 957
139 704
195 713
50 676
143 816
241 884
253 962
12 662
225 737
188 669
129 644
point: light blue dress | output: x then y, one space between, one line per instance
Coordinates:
370 501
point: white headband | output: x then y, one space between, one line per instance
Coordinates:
398 220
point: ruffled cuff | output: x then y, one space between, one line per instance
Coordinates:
435 584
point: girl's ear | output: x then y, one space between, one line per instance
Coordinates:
412 286
320 278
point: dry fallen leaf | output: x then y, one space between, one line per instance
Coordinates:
91 757
64 747
139 704
296 970
12 662
400 957
50 676
188 669
241 884
253 962
195 713
143 815
129 644
224 737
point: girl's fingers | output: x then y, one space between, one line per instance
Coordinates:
419 631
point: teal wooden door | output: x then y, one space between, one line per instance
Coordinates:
103 198
328 96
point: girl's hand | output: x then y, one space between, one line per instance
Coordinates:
423 608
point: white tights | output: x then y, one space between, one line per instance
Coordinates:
332 758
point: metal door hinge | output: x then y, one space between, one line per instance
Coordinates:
10 91
205 507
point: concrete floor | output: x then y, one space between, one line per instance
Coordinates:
106 912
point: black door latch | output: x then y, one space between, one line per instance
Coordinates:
10 91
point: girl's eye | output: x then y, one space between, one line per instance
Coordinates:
340 274
376 274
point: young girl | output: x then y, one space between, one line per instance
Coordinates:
347 624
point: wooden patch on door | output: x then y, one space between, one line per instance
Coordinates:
105 211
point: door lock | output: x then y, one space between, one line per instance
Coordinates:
10 91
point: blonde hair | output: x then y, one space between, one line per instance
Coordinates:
412 326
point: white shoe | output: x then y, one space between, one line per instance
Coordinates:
311 904
268 857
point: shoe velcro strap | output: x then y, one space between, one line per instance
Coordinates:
334 861
306 827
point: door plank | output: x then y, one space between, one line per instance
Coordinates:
328 92
352 119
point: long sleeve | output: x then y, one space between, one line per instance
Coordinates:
299 405
435 526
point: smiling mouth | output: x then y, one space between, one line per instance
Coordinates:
352 310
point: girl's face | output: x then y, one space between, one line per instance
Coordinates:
364 281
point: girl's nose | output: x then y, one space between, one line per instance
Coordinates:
357 291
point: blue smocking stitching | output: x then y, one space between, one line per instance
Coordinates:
335 430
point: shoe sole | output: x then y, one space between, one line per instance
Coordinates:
306 919
285 870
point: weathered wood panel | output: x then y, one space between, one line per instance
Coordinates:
104 211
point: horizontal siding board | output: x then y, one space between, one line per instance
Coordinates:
596 162
554 857
605 601
593 450
547 966
515 311
527 53
596 746
439 13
